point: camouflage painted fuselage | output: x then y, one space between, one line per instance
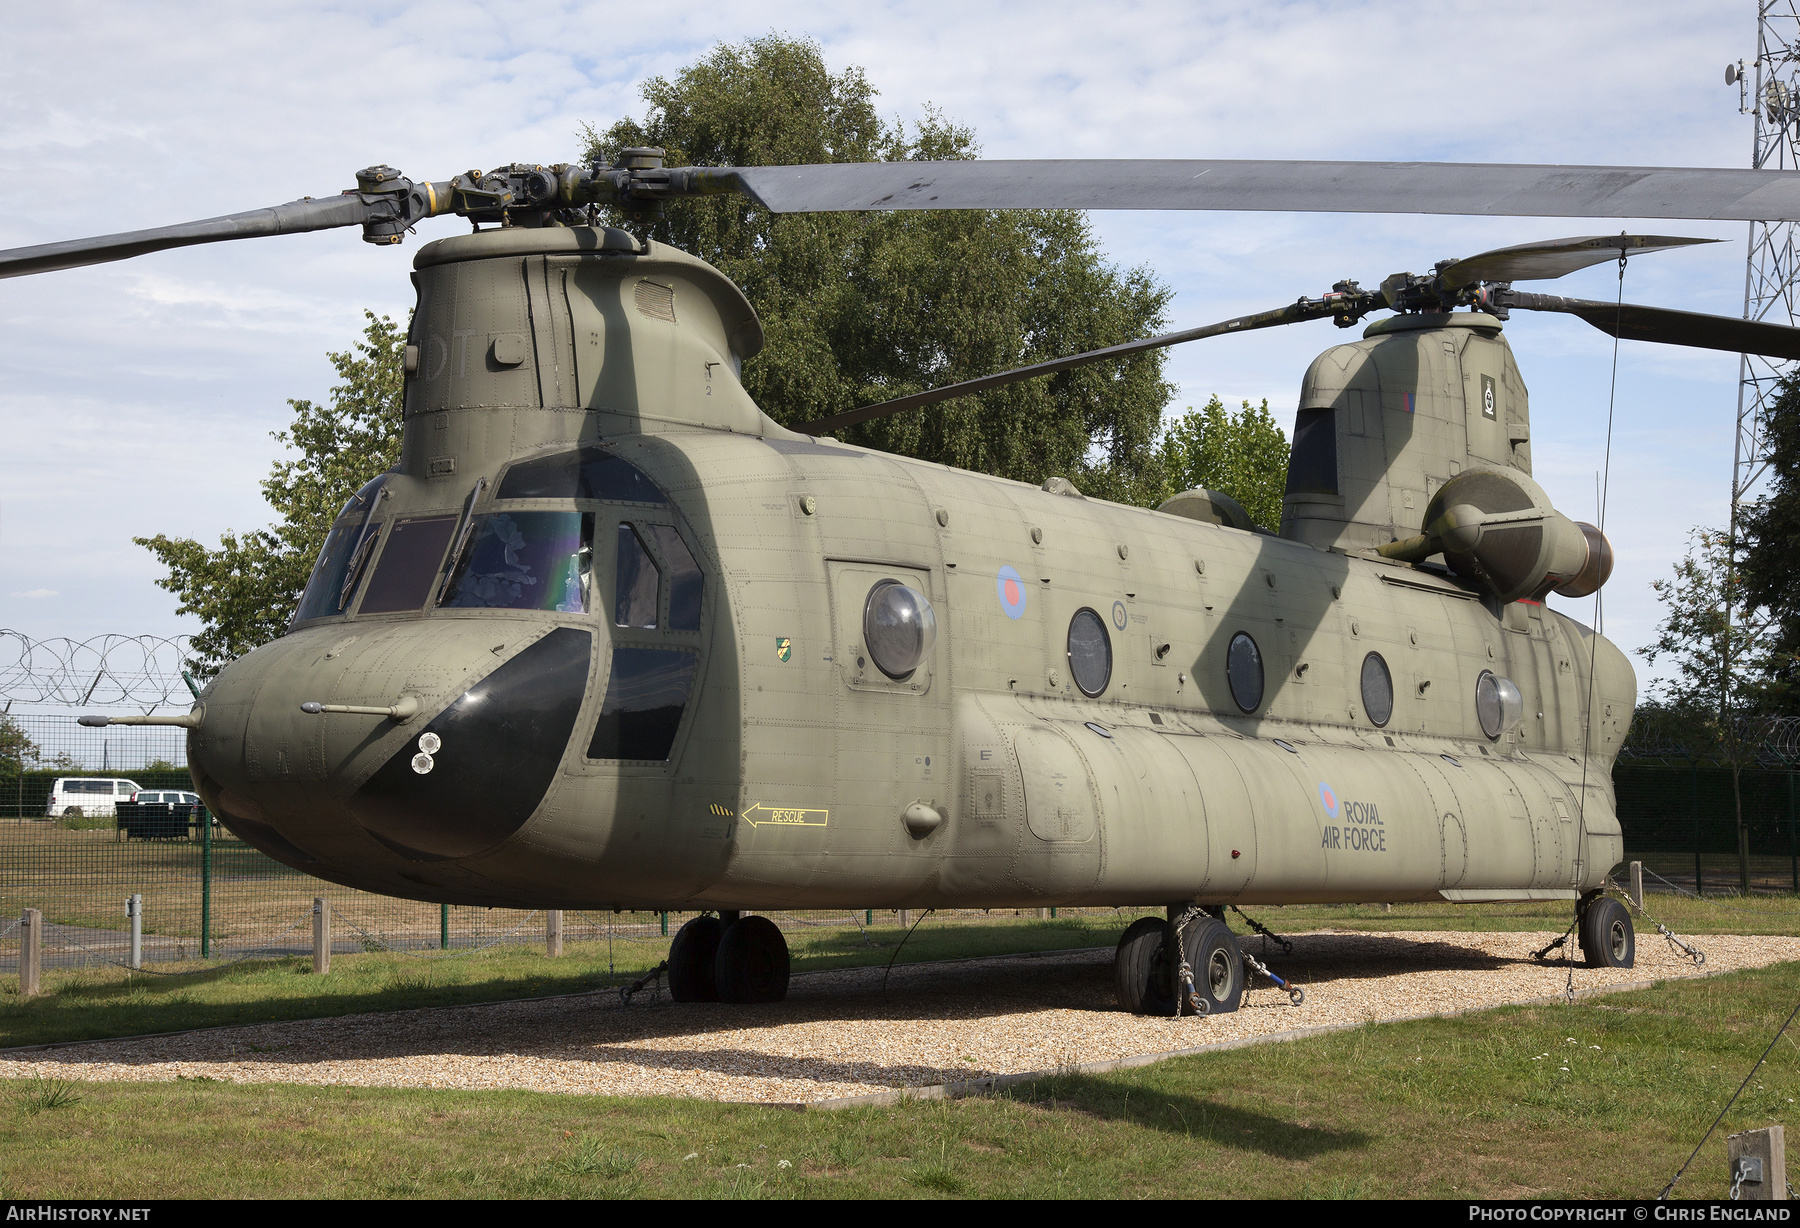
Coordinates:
776 764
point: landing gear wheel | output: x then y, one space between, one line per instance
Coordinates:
1145 970
691 959
752 963
1140 969
1218 965
1607 938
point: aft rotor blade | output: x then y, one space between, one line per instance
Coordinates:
292 218
1670 327
1293 313
1501 190
1553 258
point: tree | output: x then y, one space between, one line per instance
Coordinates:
1243 455
864 307
245 591
18 750
1769 542
1717 690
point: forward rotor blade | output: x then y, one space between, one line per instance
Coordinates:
1301 187
1293 313
292 218
1670 327
1553 258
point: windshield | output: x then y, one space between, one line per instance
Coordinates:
409 564
525 561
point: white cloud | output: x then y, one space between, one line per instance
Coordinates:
137 398
38 593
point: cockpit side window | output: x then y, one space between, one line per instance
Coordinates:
686 584
320 598
645 697
582 473
635 585
347 548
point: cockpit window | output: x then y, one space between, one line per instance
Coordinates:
581 473
635 583
409 564
685 581
321 593
645 697
331 584
525 561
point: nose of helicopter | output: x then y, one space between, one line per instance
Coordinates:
485 728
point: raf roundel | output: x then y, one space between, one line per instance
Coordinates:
1012 592
1328 798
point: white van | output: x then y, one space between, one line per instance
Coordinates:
94 796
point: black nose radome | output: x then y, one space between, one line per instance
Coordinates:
471 777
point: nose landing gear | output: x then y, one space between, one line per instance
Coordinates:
728 958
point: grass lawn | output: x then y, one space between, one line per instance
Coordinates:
1602 1099
108 1001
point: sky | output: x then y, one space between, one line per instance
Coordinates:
139 397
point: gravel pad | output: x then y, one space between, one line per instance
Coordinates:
837 1035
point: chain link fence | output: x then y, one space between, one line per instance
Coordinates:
1681 820
1681 813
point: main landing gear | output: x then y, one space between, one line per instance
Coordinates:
1604 927
1147 972
728 958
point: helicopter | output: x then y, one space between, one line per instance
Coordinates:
607 636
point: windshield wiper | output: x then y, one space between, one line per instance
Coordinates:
453 564
365 546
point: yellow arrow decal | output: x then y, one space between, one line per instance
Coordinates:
758 814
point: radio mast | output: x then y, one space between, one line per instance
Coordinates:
1767 90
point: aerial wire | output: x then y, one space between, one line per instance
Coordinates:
1734 1097
1587 716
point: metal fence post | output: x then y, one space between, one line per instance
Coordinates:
1694 805
31 951
1637 884
321 936
1793 839
205 883
134 908
665 925
553 933
443 927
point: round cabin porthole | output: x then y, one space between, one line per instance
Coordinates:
1244 671
1377 689
1090 653
899 628
1498 704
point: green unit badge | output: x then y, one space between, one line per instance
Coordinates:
784 647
